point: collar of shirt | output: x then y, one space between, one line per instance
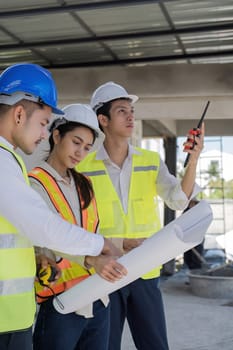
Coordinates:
5 142
54 173
102 154
120 177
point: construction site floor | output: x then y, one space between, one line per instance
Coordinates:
193 323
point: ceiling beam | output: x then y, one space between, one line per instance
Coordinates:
89 5
134 61
123 36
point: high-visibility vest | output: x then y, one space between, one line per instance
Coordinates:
17 272
142 217
71 272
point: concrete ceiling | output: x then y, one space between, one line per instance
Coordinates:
84 33
175 54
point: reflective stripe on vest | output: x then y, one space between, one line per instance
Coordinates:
72 273
17 273
12 240
16 286
142 217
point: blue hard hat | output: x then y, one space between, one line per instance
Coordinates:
28 81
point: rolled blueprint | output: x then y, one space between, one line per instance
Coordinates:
178 236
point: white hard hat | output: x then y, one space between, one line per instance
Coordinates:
108 92
82 114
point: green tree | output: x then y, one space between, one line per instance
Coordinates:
213 170
228 189
215 184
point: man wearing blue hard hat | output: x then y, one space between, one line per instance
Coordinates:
28 97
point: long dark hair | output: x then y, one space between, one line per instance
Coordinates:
83 184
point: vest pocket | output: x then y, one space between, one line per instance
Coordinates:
140 211
106 214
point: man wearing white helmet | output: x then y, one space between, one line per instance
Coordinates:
28 97
133 178
70 194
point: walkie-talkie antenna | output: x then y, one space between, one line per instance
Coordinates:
198 127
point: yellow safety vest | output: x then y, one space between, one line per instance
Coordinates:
142 217
17 272
71 272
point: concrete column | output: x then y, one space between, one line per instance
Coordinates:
169 214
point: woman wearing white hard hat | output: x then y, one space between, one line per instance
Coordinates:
71 195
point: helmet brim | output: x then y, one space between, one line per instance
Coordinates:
98 140
12 99
133 98
57 111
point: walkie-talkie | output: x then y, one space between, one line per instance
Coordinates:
194 131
